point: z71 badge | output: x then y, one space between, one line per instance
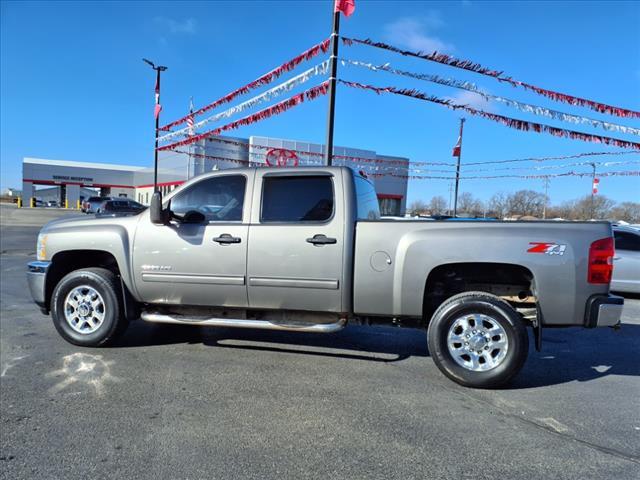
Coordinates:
549 248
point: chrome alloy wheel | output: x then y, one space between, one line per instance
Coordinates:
84 309
477 342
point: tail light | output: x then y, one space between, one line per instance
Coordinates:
601 253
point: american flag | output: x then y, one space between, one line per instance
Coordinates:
158 108
190 118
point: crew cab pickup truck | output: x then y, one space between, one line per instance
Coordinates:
305 249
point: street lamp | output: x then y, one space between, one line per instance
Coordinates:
158 69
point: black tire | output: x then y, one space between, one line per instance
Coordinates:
107 285
500 311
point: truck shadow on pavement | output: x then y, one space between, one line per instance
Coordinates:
568 355
581 355
377 344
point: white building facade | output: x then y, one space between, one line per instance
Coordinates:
388 173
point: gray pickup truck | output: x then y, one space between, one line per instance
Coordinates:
305 249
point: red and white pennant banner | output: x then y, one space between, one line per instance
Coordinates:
518 124
270 94
499 75
265 79
523 107
283 106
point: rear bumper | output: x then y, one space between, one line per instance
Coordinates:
36 278
603 311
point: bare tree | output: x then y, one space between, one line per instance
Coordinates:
602 207
469 205
498 205
438 205
627 211
526 202
418 207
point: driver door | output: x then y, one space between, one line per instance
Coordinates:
198 263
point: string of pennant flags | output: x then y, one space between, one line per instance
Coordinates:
515 123
420 174
265 79
274 92
173 139
622 173
498 75
471 87
406 163
283 106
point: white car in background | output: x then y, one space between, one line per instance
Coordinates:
626 267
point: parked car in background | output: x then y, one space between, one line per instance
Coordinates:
121 206
626 263
52 203
91 204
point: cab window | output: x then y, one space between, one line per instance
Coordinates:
298 199
219 199
366 199
627 241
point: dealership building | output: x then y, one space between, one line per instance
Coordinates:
74 180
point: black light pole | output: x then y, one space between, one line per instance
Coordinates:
158 69
455 200
333 68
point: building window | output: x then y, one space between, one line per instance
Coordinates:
389 206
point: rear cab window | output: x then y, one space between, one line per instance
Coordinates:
366 199
297 199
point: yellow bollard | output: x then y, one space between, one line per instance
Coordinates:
66 203
78 204
32 202
19 202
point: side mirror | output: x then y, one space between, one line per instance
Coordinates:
193 216
155 209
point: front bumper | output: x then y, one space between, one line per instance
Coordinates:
36 278
603 311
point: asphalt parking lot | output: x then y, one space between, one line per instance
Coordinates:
181 402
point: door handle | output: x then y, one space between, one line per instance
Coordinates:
320 239
226 239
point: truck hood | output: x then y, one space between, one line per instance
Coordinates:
88 221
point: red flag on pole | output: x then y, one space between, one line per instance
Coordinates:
457 149
596 183
158 108
347 7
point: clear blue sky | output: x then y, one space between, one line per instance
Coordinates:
73 85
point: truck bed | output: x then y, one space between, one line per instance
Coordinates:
394 260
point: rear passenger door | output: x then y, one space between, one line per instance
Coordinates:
296 247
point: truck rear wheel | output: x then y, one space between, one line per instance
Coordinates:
478 340
87 308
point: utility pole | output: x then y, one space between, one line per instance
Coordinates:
546 197
593 187
333 68
158 69
459 150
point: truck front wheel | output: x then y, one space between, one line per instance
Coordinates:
86 307
478 340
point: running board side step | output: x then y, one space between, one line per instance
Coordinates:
242 323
